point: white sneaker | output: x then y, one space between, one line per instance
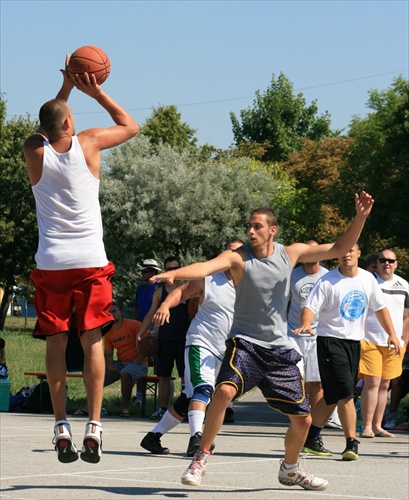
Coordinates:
92 445
298 477
333 422
65 448
196 470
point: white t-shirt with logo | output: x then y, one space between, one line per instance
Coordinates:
301 283
396 296
342 303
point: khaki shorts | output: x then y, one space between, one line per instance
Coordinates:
380 361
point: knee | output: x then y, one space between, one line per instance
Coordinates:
302 423
225 393
203 393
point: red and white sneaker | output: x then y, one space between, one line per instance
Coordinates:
92 445
298 477
196 470
65 448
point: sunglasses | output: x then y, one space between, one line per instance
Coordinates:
172 268
382 260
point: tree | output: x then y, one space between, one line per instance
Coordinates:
378 162
165 126
18 227
316 168
164 203
279 120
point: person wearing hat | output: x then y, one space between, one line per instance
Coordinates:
144 292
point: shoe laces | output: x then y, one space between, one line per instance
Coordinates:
303 475
198 462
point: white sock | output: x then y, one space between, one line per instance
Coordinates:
166 423
196 419
289 466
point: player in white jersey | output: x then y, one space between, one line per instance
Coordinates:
205 346
380 365
341 299
72 267
303 278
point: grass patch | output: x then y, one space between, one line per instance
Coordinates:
24 353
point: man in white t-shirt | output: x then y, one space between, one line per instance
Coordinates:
341 299
379 364
302 280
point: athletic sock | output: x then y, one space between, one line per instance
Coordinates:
314 431
167 422
196 419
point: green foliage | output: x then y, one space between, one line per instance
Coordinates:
379 163
279 120
164 203
18 226
165 126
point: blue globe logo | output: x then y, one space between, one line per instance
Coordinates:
353 305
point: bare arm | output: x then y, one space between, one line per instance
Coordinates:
176 296
385 320
109 359
226 260
147 320
405 330
307 317
306 253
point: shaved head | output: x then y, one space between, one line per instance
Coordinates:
53 113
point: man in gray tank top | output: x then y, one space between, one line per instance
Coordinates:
258 351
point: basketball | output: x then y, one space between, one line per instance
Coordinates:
92 60
148 345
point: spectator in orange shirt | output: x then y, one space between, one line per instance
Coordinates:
130 365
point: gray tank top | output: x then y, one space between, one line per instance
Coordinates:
261 299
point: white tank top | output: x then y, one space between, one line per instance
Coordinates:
68 212
213 320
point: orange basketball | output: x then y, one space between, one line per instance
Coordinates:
92 60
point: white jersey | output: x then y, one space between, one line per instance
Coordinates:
68 212
342 303
213 320
301 283
396 295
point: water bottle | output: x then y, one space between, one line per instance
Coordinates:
358 414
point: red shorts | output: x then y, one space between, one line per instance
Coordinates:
57 292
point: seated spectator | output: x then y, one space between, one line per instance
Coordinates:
130 365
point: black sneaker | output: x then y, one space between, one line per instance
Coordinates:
351 451
194 445
151 442
316 447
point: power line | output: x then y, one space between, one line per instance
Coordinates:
201 103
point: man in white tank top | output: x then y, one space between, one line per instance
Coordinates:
205 346
260 322
72 267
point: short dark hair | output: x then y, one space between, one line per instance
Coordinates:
268 212
52 114
171 258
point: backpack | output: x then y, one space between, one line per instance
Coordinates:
33 401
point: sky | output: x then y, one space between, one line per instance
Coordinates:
209 58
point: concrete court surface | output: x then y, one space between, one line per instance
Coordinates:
245 465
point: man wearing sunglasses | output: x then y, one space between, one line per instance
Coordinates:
380 366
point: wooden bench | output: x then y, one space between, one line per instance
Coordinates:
148 386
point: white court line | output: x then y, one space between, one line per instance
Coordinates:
226 488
